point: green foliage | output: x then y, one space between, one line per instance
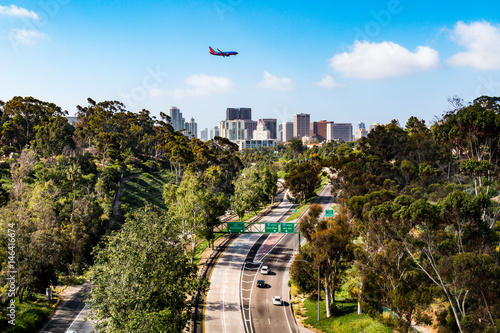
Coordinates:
302 180
153 293
144 189
344 319
29 318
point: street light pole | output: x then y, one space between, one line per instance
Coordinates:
318 280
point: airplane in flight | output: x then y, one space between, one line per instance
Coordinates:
223 54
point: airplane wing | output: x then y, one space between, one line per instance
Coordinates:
222 53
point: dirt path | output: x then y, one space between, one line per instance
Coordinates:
117 203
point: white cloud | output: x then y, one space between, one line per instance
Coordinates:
275 83
13 10
200 85
328 82
482 41
383 60
25 37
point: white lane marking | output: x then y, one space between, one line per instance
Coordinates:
223 303
77 317
285 286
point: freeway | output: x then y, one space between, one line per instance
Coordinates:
267 317
222 304
233 303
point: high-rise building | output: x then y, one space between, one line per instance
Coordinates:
339 132
271 125
176 119
261 133
236 114
214 132
234 130
360 131
322 130
372 127
204 134
313 130
191 128
301 125
286 131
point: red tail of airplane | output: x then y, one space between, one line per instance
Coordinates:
212 50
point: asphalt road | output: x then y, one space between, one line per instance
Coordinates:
267 317
222 310
67 311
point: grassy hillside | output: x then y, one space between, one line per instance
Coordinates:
145 188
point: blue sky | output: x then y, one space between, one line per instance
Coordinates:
344 61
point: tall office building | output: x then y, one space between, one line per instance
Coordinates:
176 119
313 130
236 114
234 130
360 131
322 130
339 132
301 125
271 125
251 125
214 131
286 131
191 128
204 134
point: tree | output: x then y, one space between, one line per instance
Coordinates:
141 280
329 247
386 141
53 135
302 180
309 222
473 132
332 249
24 114
434 236
247 192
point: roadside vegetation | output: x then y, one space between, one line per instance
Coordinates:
415 229
417 226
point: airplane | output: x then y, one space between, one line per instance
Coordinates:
220 53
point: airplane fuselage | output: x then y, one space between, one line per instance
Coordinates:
222 53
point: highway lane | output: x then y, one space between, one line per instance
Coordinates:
222 310
267 317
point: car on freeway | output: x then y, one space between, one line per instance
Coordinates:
276 300
264 270
261 283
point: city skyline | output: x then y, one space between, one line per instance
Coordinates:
370 61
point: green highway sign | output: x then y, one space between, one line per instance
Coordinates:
236 227
272 227
329 212
288 228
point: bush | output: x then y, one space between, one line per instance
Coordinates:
30 320
423 318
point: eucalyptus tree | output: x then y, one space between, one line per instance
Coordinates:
141 280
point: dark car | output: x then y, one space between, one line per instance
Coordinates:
261 283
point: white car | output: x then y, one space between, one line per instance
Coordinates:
264 270
276 300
